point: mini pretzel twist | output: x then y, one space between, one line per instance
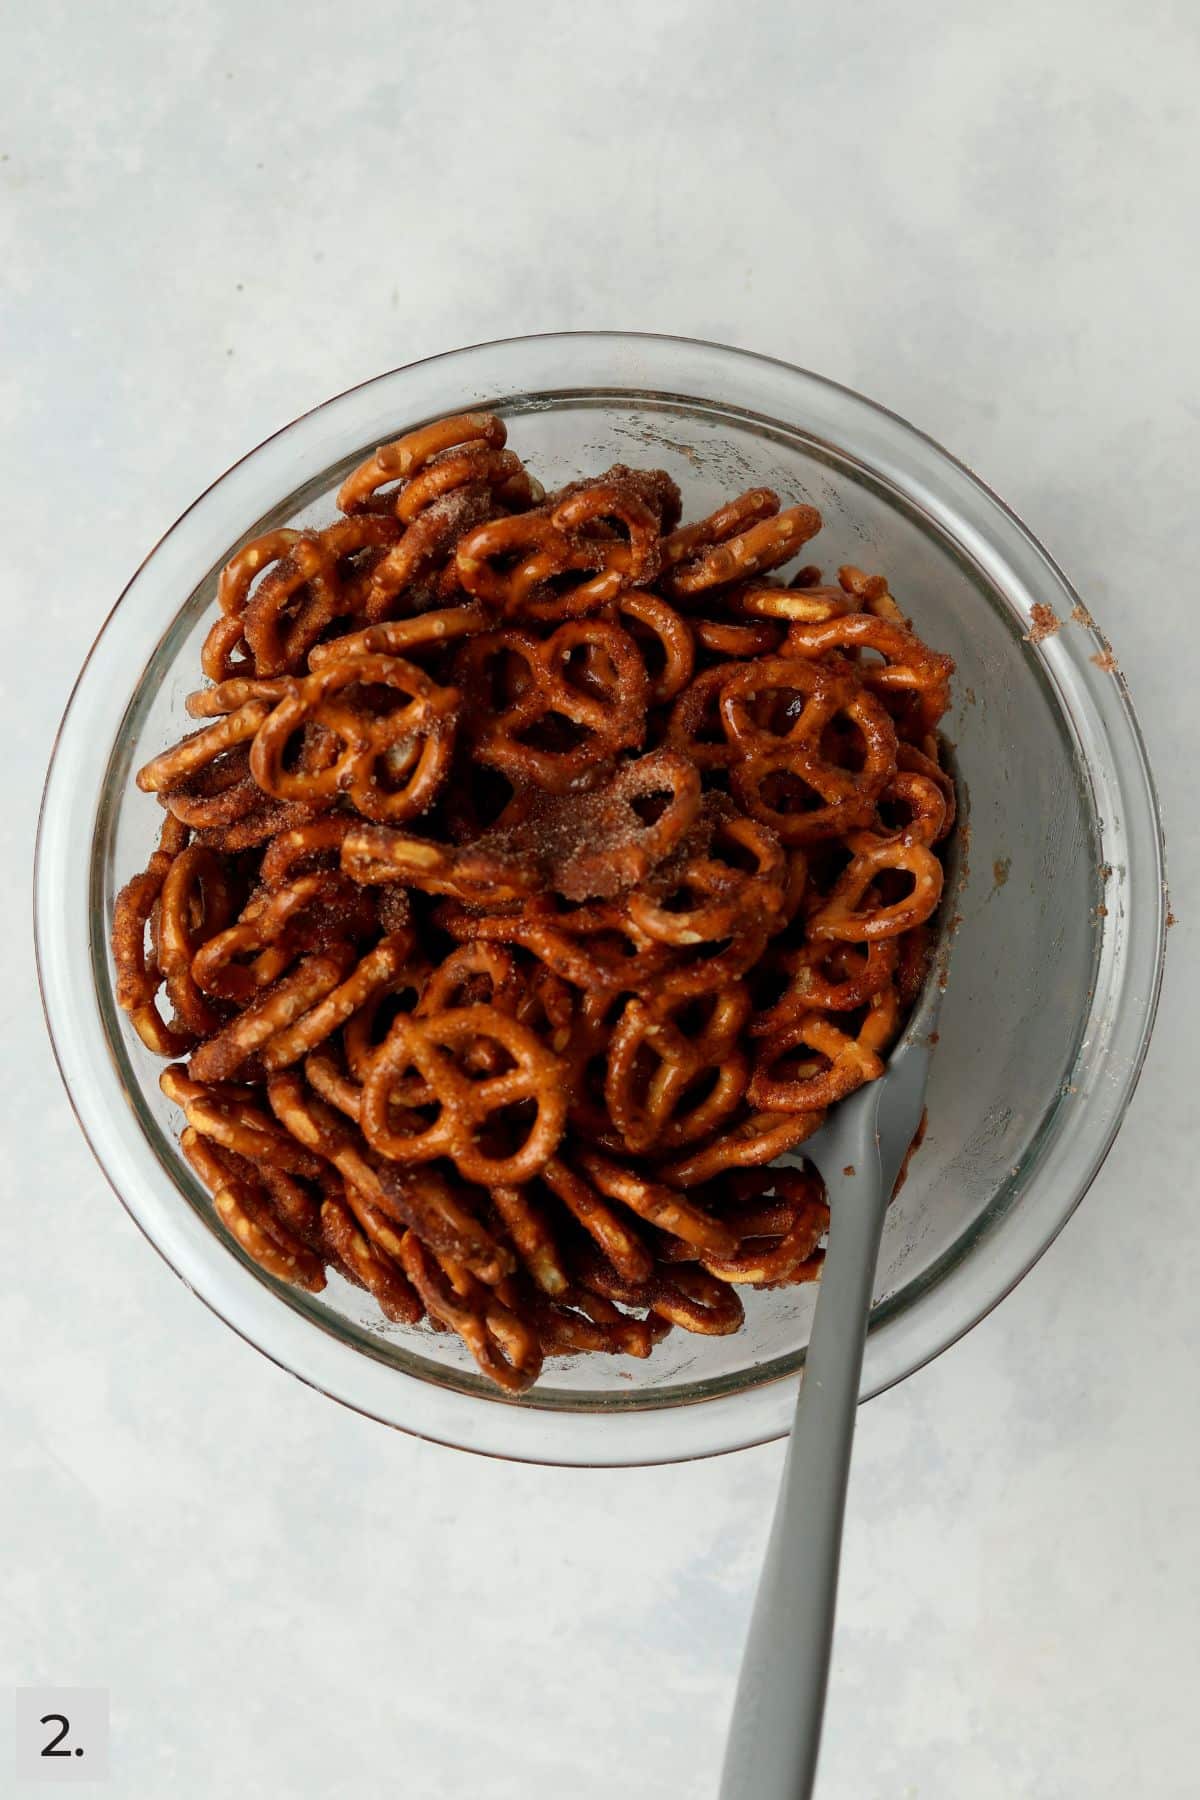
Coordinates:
506 1348
778 714
244 1209
909 668
604 532
593 716
761 546
779 1217
688 1297
750 1143
466 1107
814 1063
666 1085
196 902
402 459
139 974
390 764
301 596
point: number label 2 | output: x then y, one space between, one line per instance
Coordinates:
62 1735
64 1725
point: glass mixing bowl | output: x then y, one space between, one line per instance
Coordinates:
1056 964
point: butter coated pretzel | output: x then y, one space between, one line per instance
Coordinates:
244 1209
400 460
408 746
430 1047
829 1062
759 547
544 724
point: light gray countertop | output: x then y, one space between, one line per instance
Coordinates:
212 217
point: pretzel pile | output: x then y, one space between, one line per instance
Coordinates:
539 872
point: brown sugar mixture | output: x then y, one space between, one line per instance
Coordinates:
540 870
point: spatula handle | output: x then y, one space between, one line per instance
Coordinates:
776 1730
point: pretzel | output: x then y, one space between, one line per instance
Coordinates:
366 1029
654 1202
465 1107
911 760
598 844
665 631
532 1238
607 1225
796 756
218 657
603 962
138 976
274 926
722 637
872 594
201 749
599 504
705 891
827 976
378 968
909 666
688 1297
195 903
484 871
229 1118
843 915
400 460
330 1082
462 468
243 1209
227 696
750 552
757 1139
375 1271
696 728
485 974
505 1347
410 746
666 1086
260 825
837 1063
584 1321
301 596
778 1236
421 1199
806 605
593 723
906 793
511 563
247 564
733 517
539 871
397 637
293 847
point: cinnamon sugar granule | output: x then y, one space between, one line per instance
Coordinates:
1044 622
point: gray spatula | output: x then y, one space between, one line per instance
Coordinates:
776 1728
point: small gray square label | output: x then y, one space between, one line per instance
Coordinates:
62 1734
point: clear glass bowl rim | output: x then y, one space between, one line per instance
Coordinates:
959 505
